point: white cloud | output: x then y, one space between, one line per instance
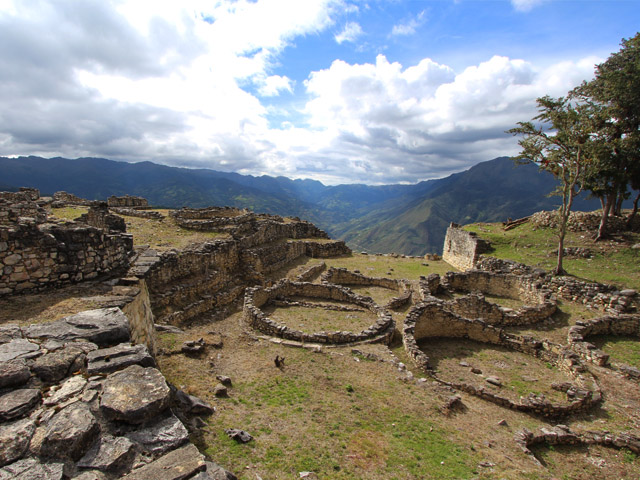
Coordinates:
409 27
273 85
526 5
350 33
426 121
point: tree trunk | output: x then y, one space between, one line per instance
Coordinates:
602 229
633 212
619 201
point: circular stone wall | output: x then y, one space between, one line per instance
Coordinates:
430 320
539 304
258 297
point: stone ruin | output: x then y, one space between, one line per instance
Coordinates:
128 201
257 298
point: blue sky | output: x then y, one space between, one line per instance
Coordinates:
337 90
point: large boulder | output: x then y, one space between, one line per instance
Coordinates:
69 433
175 465
18 403
107 360
134 395
103 326
14 440
161 436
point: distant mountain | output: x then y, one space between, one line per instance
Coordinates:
488 192
410 219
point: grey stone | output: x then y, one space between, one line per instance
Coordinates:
32 469
168 328
134 394
107 360
14 440
628 292
18 348
69 433
19 402
103 326
193 347
238 435
14 373
159 437
494 381
193 405
109 454
70 388
220 391
224 380
214 472
55 366
10 332
178 464
91 475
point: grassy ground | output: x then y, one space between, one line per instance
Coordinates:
345 417
613 261
161 235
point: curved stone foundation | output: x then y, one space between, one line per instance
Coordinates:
258 297
626 325
430 320
527 289
342 276
562 435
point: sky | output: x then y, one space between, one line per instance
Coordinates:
341 91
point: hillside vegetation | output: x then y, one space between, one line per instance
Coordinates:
408 219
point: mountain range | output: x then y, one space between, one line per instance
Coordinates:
408 219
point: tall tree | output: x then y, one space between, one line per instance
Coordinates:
615 89
562 144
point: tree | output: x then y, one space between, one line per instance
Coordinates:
562 145
615 90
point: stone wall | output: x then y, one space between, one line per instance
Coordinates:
625 325
430 320
258 297
131 212
311 272
62 199
563 435
79 401
98 216
461 248
127 202
34 257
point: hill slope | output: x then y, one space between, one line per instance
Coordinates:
409 219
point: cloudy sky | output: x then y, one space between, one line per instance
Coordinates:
342 91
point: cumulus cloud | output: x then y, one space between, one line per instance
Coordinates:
349 33
194 83
408 27
425 121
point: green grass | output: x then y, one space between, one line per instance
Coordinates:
622 349
613 261
388 266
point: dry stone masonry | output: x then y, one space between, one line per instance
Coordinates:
461 248
257 298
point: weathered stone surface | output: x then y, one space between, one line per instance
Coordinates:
104 326
32 469
14 373
238 435
192 404
224 380
18 402
91 475
159 437
214 472
55 366
109 454
107 360
18 348
70 433
10 332
14 440
134 394
175 465
494 381
220 390
70 388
